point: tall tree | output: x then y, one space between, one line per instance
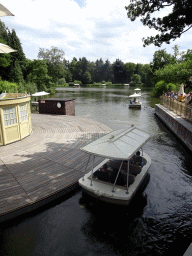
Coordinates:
129 70
171 26
55 60
160 59
118 71
18 59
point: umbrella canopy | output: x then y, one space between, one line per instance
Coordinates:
135 95
120 144
4 11
38 94
181 91
6 49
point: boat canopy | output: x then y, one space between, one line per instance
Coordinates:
120 144
38 94
137 89
135 95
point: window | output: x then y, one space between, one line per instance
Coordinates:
23 112
10 116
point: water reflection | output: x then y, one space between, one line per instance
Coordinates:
113 229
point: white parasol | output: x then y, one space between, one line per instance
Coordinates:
181 91
135 95
6 49
4 11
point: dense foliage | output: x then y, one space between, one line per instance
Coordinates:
171 26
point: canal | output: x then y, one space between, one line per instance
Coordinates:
158 222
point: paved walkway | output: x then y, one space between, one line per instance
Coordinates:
46 162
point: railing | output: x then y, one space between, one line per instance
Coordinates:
180 108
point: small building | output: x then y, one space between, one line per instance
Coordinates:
59 106
15 117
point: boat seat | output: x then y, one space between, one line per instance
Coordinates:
133 169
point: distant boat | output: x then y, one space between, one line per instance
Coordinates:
135 103
126 85
76 86
103 86
125 175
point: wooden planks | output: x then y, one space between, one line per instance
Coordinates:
46 162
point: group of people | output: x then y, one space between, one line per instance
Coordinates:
110 175
187 98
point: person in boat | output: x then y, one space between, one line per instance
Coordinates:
103 173
137 159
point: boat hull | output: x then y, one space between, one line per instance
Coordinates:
134 105
114 201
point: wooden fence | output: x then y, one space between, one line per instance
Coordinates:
180 108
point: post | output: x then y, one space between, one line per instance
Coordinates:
117 177
92 171
127 176
86 168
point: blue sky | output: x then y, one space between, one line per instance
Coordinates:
80 2
84 28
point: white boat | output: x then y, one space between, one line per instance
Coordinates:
135 103
118 148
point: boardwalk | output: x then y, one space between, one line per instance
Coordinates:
45 163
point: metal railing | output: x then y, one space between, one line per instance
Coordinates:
180 108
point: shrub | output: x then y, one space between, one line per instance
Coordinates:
61 81
8 86
160 87
109 84
171 87
77 82
96 84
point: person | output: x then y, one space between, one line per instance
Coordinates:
181 98
103 173
188 98
138 159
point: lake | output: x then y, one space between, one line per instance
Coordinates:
157 223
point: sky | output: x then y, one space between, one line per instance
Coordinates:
84 28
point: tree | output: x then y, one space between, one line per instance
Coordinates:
55 62
118 71
171 26
129 70
136 78
160 59
38 73
87 78
54 56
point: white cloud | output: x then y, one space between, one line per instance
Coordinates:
98 29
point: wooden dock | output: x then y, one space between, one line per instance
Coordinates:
46 164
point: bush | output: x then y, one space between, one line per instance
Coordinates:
171 87
160 87
96 84
77 82
109 84
8 86
132 83
61 81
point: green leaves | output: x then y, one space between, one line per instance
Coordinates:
171 26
